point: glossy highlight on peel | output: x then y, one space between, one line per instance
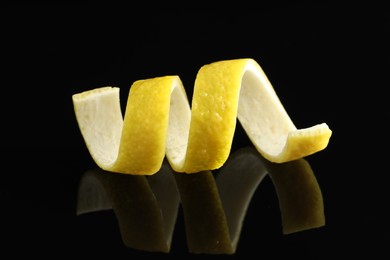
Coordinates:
159 121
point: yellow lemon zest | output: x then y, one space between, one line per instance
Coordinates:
159 121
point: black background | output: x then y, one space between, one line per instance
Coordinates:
326 61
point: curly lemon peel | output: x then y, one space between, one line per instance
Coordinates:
159 122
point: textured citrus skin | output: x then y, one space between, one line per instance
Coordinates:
214 114
142 148
159 122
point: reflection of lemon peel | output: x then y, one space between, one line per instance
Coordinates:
158 121
300 197
91 196
207 230
214 209
237 180
146 207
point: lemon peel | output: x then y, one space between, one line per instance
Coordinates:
159 121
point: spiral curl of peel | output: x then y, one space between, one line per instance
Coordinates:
159 121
